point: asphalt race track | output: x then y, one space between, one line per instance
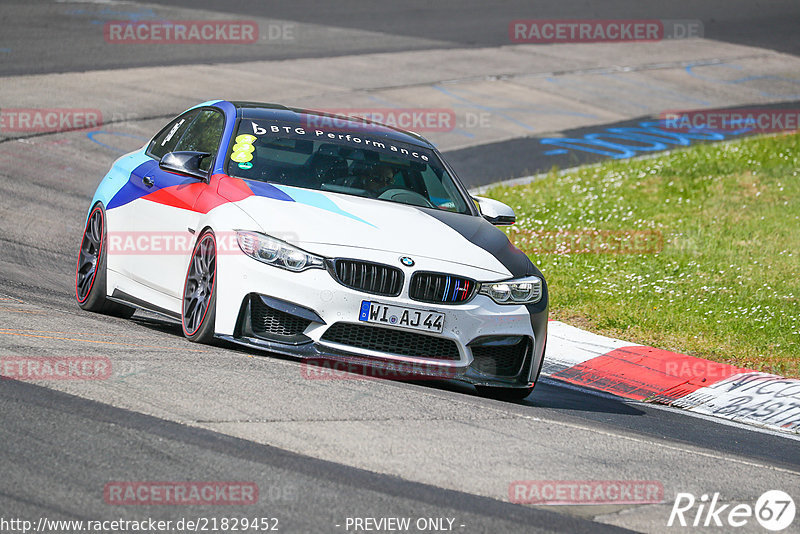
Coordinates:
323 451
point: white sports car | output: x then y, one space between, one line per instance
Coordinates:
315 236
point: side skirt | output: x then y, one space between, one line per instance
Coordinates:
123 298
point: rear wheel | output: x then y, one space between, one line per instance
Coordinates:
198 312
504 394
90 273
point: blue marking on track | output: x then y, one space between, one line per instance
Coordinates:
92 135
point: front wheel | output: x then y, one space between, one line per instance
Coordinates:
504 394
90 273
198 312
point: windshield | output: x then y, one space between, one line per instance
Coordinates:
342 162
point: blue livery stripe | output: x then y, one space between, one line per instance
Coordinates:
263 189
230 122
318 200
119 176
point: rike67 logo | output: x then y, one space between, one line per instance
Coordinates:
774 511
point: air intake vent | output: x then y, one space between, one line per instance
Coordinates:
392 341
368 277
441 288
500 360
271 322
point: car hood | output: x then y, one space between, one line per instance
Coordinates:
322 222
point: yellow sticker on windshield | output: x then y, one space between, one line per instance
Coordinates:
241 157
246 138
243 147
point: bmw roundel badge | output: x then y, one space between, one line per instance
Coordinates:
405 260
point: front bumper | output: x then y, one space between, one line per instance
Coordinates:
492 344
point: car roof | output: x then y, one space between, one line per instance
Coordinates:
308 118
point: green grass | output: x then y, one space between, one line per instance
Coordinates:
726 283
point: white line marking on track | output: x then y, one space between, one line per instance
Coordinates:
662 445
681 411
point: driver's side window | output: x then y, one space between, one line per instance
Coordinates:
168 138
204 135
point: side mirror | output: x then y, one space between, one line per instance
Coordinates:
185 162
495 211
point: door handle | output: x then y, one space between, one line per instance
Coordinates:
148 181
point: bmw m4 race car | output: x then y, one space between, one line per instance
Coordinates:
315 236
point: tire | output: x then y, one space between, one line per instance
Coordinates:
199 307
504 394
90 271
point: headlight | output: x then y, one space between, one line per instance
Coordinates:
520 291
275 252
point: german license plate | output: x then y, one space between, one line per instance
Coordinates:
427 321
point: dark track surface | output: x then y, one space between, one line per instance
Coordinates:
73 447
67 37
476 23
